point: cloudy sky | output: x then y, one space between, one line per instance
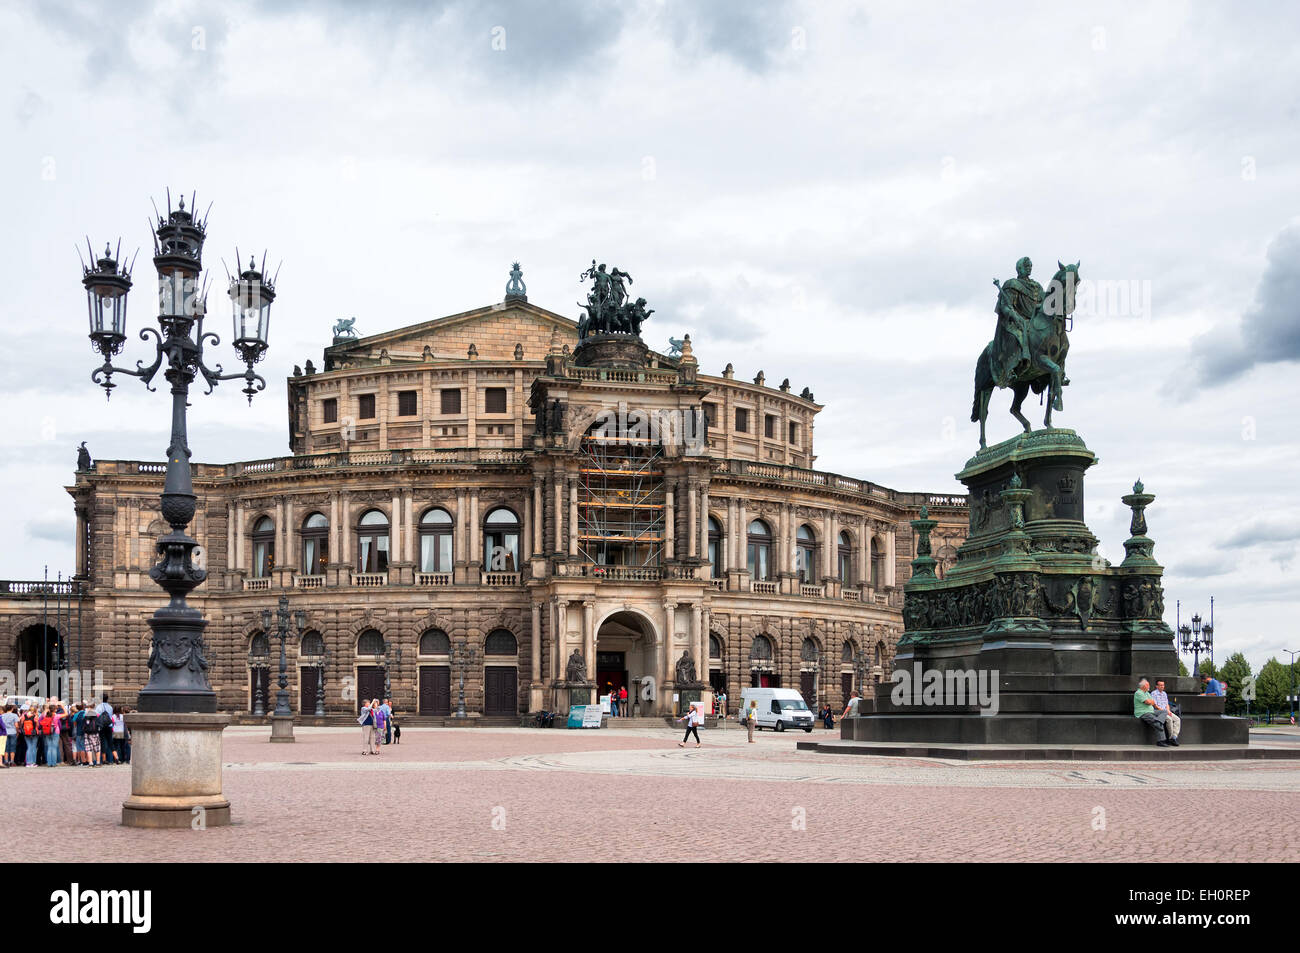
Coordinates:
822 191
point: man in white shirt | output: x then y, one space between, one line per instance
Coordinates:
1162 704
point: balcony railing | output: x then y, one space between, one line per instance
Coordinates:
309 582
258 584
812 592
433 579
766 588
369 579
500 578
852 595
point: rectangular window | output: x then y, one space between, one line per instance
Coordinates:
711 415
769 427
406 403
794 433
451 401
366 406
330 410
742 420
494 400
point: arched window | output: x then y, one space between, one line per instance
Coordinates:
761 649
435 642
715 546
370 643
845 558
312 645
501 642
805 565
877 563
435 541
810 651
261 645
263 547
715 647
880 654
372 542
847 653
501 541
315 544
759 551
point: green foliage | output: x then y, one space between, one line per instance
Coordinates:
1273 685
1182 669
1233 673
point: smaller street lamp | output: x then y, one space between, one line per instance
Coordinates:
1196 637
282 720
320 682
462 657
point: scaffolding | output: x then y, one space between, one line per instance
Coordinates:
621 500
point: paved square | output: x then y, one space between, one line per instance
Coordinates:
527 795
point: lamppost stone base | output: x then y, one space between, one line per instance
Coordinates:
282 728
175 771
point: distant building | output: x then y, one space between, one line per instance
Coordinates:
487 482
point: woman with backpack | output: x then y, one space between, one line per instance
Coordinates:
50 736
90 737
30 729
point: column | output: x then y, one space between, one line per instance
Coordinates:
668 522
281 545
697 646
666 651
704 522
864 554
573 517
462 528
537 515
290 557
891 558
589 640
559 514
724 543
475 546
230 536
345 554
742 538
536 675
410 527
691 518
557 639
562 628
335 554
239 535
395 530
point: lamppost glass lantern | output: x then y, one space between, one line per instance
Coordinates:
251 296
106 287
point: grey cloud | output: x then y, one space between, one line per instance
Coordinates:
51 528
1270 330
1262 532
746 32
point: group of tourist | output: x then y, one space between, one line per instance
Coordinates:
57 733
618 704
378 726
1155 710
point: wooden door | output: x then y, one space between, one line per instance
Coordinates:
808 689
500 686
435 690
370 684
309 689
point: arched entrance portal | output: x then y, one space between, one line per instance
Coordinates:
38 650
625 658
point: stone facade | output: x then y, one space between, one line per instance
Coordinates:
820 610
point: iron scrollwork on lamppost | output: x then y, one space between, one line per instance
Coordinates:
178 671
320 682
282 620
462 657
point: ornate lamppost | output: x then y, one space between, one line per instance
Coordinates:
462 657
178 697
396 654
1197 637
282 720
255 665
320 682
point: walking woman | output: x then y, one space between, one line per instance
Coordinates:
367 723
693 718
381 724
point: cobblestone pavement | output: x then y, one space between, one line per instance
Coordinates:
524 794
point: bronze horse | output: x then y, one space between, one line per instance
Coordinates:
1048 345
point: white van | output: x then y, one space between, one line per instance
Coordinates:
778 708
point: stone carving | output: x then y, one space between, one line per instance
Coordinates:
675 347
1030 343
83 457
685 674
576 669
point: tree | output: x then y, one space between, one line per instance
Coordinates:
1233 673
1273 685
1182 669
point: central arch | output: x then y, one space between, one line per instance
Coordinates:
625 657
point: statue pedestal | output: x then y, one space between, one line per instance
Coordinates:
282 728
1031 638
175 771
611 350
571 694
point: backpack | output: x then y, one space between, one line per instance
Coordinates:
47 725
29 725
105 722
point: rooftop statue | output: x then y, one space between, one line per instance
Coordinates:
608 310
343 328
1029 344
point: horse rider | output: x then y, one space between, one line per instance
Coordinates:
1018 299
